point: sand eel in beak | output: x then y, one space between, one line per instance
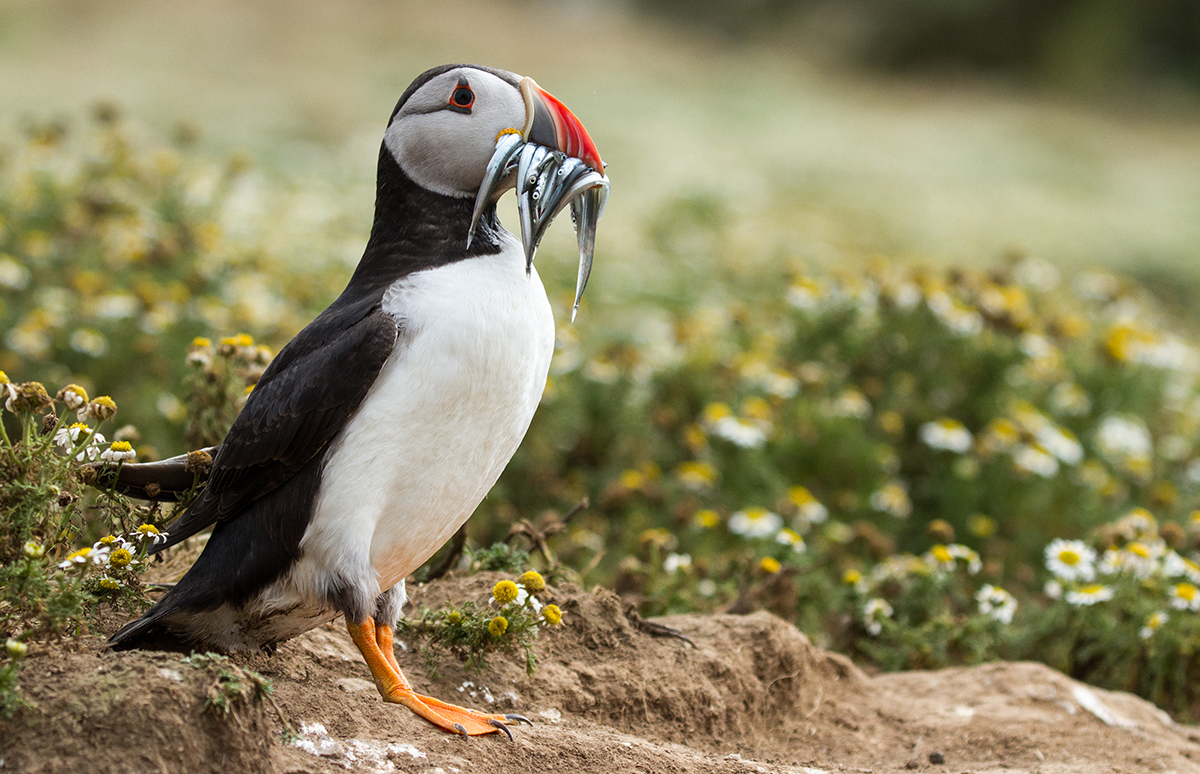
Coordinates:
376 432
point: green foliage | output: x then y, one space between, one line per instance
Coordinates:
498 557
63 547
753 457
509 622
220 379
115 253
231 687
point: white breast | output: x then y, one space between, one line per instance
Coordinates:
442 420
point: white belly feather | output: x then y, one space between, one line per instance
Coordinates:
442 420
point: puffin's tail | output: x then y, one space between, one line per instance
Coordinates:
149 632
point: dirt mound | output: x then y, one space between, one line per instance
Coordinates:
611 694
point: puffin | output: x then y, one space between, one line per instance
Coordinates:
376 432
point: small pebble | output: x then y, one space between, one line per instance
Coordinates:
937 758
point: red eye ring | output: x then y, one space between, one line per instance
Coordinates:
462 97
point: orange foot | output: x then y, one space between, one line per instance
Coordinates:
375 644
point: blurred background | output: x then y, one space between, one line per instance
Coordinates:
946 131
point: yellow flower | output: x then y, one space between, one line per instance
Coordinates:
505 591
716 411
107 540
1126 342
240 340
532 581
981 526
454 617
696 475
72 396
632 479
120 558
110 584
552 615
707 518
851 577
148 529
498 626
941 529
102 408
890 422
756 408
770 565
694 437
201 341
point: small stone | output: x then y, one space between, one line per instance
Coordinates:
936 758
912 765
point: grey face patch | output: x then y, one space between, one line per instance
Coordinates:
446 150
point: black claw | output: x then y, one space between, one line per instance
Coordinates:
497 724
460 728
519 719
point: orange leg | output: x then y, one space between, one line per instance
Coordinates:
375 644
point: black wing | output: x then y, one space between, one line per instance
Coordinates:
299 405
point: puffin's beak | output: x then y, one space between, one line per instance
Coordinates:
551 123
556 164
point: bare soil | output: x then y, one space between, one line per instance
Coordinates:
752 695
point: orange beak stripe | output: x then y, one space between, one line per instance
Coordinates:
570 136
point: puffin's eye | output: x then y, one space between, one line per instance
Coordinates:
462 97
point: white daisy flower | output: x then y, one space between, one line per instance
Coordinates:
1142 558
1061 443
892 498
851 403
1176 566
1089 595
1069 399
92 554
791 538
809 510
947 434
739 432
1154 622
1053 589
1184 596
1071 560
874 610
1111 562
120 451
151 533
997 603
755 523
968 555
68 438
1122 437
1032 458
676 562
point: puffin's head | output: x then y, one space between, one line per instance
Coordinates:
444 130
467 131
